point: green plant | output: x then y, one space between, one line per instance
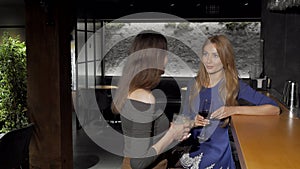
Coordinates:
13 89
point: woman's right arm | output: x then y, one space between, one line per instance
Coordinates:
141 153
176 132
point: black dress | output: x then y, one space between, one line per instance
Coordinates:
143 125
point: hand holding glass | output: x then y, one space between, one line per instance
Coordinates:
187 122
204 112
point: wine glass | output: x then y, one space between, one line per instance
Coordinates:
204 112
182 119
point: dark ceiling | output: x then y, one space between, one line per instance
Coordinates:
188 9
11 2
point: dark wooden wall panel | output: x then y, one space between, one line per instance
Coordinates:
49 83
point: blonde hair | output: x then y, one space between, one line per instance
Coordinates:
230 86
143 67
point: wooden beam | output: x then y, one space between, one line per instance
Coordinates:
48 28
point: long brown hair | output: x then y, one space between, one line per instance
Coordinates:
143 67
230 86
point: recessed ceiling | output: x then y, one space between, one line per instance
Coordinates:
113 9
11 2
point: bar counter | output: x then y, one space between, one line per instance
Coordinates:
267 142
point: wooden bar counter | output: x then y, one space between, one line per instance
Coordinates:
268 142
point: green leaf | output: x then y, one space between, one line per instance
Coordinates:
13 83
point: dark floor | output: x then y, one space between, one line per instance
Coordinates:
87 153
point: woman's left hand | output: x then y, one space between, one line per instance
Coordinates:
221 113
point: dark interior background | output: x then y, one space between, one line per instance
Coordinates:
280 29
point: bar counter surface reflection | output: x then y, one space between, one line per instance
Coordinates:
267 142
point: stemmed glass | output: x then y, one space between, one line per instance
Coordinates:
204 112
182 119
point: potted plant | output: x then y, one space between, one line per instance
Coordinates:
13 80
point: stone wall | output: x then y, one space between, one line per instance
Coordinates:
185 41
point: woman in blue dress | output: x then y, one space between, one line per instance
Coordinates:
218 90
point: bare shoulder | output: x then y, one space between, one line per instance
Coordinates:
142 96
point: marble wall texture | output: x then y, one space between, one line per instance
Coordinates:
184 42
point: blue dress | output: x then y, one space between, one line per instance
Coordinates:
215 152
